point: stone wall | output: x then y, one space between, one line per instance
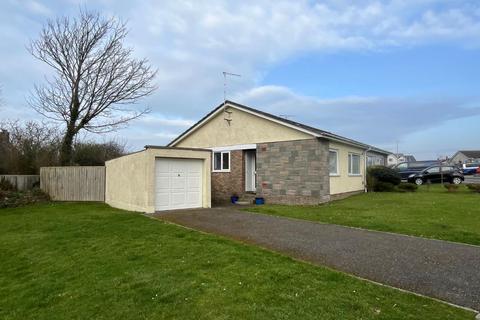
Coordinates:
225 184
293 172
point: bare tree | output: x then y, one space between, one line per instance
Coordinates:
95 78
27 146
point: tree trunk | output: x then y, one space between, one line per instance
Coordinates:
67 146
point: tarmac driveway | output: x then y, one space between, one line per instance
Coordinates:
439 269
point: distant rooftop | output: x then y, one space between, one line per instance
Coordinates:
471 153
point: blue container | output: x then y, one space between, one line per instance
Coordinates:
234 199
259 201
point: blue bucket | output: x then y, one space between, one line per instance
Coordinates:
234 199
259 201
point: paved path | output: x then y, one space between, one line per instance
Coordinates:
444 270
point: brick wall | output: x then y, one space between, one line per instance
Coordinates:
225 184
293 172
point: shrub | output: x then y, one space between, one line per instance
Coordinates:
10 198
475 187
380 175
407 187
451 187
6 185
380 186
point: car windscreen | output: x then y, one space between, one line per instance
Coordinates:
432 170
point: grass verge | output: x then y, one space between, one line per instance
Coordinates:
79 261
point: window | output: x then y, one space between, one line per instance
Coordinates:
379 161
221 161
353 164
374 160
333 162
370 161
433 170
402 166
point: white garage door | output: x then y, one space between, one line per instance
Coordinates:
178 183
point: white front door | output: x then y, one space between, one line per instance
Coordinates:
250 171
178 183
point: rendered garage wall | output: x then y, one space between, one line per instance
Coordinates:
130 180
126 183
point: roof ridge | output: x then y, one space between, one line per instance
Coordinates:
314 131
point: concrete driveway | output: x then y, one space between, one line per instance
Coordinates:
439 269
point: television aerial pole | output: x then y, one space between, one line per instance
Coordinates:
227 113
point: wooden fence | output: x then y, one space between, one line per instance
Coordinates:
22 182
73 183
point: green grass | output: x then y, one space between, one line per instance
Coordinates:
89 261
431 212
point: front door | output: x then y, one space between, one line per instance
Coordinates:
250 171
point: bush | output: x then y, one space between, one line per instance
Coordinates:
382 175
451 187
383 187
407 187
6 185
475 187
10 198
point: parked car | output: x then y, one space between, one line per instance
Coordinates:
478 170
437 174
405 169
470 168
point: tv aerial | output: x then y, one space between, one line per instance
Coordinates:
227 114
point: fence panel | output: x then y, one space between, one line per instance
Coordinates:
73 183
22 182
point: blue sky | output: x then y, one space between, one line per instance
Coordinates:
378 71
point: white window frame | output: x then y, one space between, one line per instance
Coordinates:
336 174
350 164
221 161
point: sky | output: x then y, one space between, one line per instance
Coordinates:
381 72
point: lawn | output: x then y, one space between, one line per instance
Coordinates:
431 212
89 261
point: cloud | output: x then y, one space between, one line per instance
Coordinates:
160 120
375 120
36 7
192 42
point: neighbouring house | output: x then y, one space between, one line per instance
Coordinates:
396 158
466 156
254 152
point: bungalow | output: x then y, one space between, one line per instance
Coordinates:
257 153
466 156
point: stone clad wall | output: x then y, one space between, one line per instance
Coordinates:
293 172
225 184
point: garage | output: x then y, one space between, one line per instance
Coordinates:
158 179
178 183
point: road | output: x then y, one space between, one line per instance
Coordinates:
472 179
